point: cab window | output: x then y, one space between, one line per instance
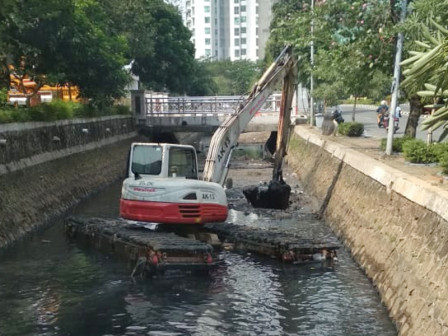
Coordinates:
146 160
182 163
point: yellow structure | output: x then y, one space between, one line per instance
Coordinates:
22 88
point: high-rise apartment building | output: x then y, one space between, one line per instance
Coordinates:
228 29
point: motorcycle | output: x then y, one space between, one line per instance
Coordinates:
386 122
336 115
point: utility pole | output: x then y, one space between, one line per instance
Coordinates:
395 82
312 66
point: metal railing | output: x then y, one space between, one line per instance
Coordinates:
204 105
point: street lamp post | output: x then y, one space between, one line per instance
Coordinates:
312 65
395 83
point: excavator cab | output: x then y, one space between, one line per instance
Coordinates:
163 187
163 160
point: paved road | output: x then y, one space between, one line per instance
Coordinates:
366 114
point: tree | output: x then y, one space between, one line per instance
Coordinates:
430 67
233 78
419 28
8 18
353 40
159 43
202 83
67 41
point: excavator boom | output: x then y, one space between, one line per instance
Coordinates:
226 137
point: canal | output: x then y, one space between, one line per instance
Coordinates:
52 286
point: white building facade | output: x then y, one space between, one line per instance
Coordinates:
228 29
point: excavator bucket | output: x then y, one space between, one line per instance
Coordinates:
276 194
273 196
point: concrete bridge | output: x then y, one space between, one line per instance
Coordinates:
158 113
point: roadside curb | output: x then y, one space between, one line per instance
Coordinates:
414 189
404 107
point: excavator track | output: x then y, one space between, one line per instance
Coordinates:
147 251
285 246
151 252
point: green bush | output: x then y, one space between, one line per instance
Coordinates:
397 144
443 162
417 151
93 110
5 117
10 115
58 110
55 110
121 109
351 129
3 96
440 149
86 111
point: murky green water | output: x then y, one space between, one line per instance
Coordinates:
50 286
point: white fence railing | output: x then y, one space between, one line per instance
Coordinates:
204 105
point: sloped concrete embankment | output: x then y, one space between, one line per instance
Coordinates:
395 225
45 168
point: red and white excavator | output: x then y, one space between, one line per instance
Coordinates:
162 184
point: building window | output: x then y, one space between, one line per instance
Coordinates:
243 41
237 31
207 41
243 19
207 19
243 30
237 42
243 52
236 10
237 53
243 9
206 9
236 1
236 21
207 30
208 52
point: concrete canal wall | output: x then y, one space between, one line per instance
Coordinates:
395 225
45 168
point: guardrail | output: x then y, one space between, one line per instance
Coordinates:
204 105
